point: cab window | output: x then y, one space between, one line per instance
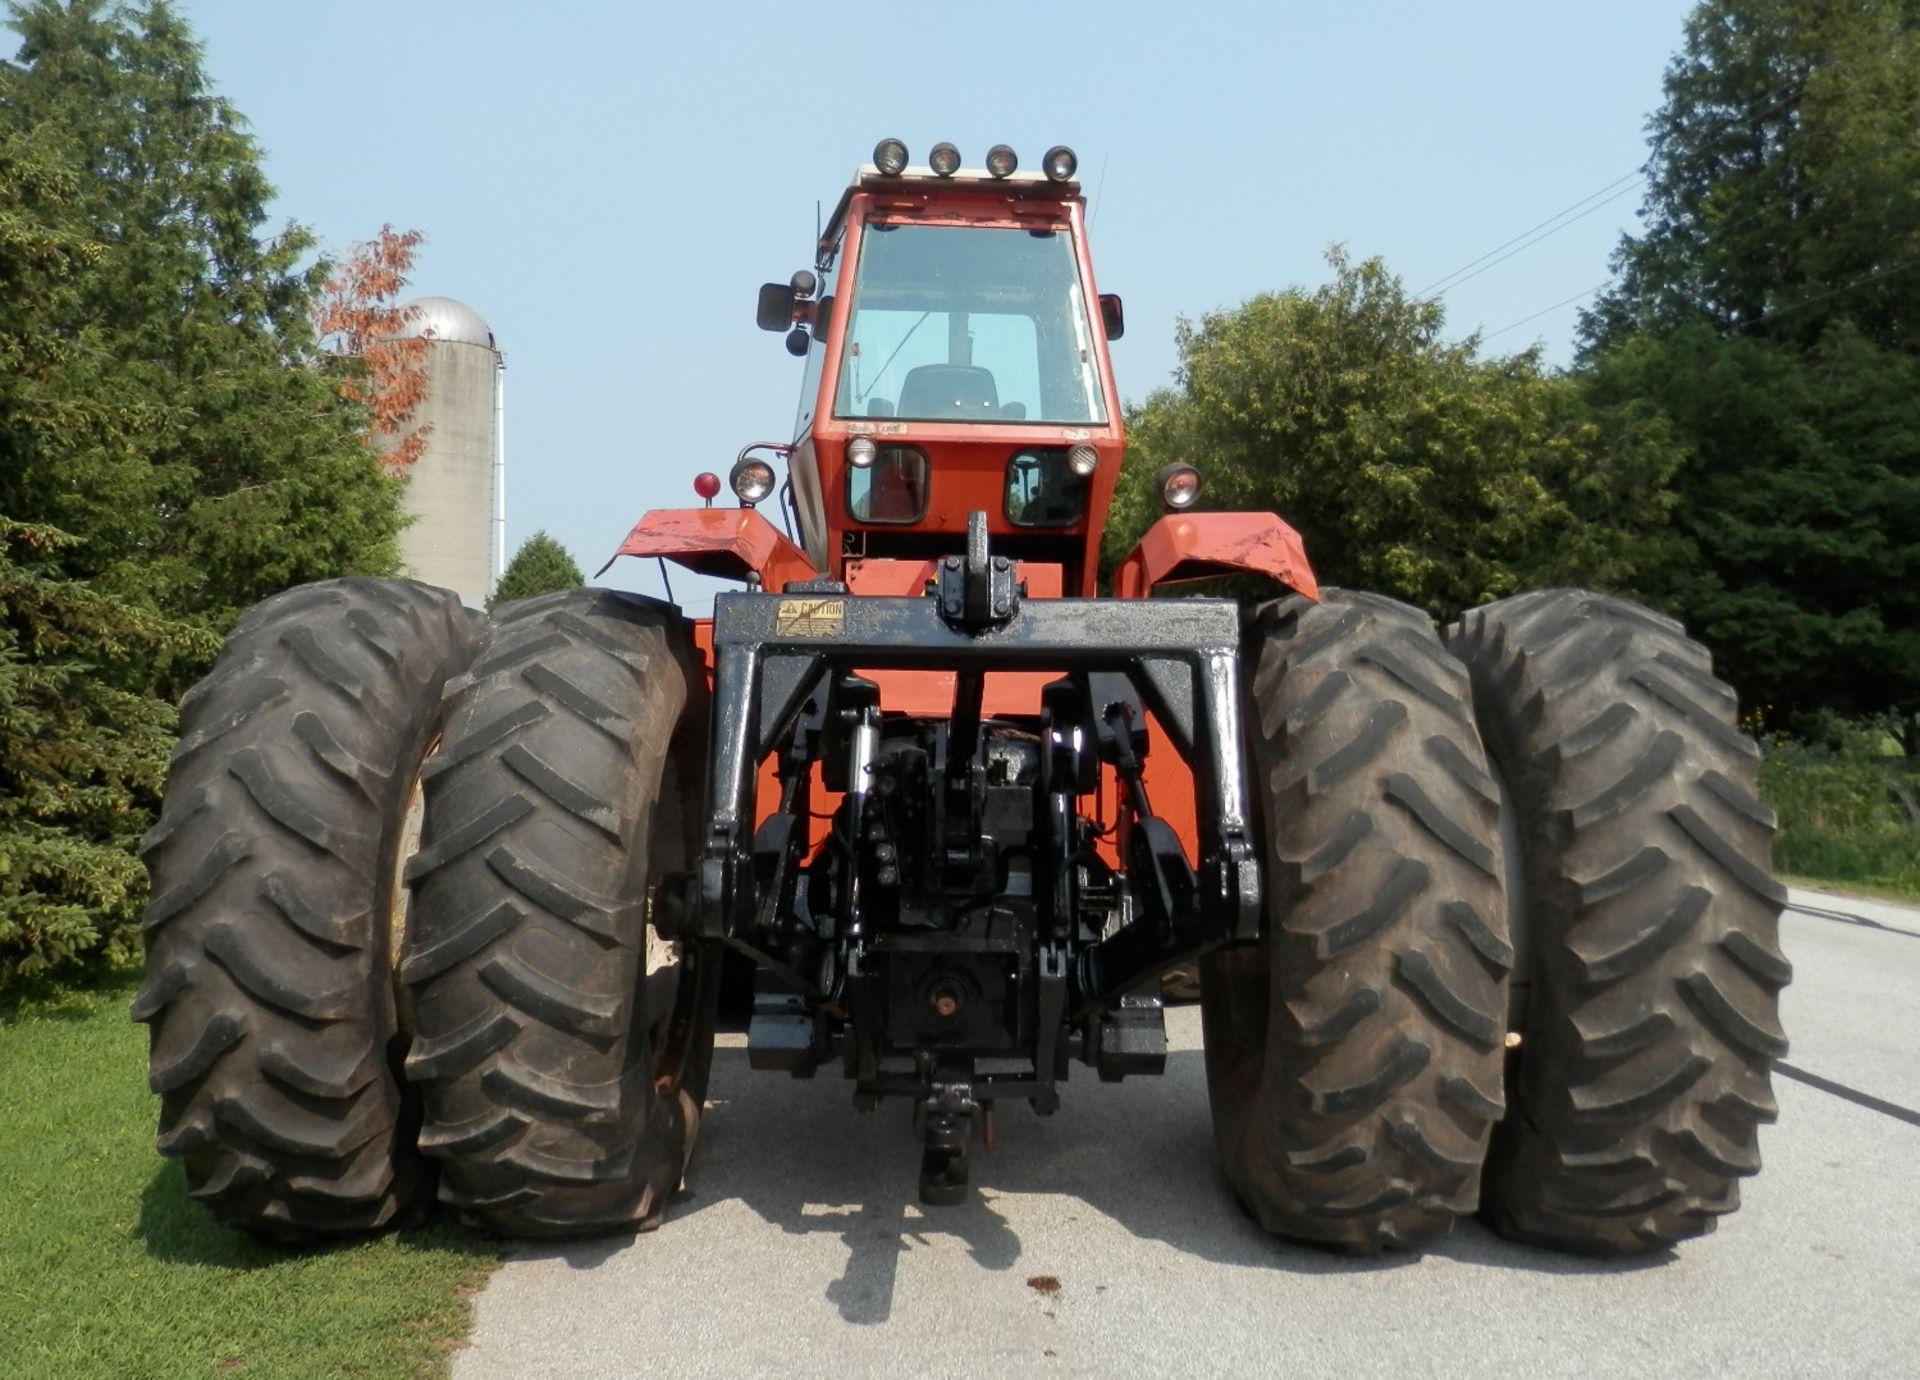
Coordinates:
892 489
968 323
1043 491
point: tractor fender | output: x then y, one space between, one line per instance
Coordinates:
1197 546
733 543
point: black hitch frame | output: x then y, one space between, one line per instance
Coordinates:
788 679
777 654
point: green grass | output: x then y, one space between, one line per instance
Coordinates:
1841 825
1906 895
107 1268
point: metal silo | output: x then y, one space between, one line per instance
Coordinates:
456 491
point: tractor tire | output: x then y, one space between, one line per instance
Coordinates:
1652 947
269 987
562 1047
1354 1054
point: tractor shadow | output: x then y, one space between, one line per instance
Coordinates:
1139 1153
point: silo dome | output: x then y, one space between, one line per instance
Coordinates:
442 318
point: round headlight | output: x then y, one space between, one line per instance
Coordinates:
860 452
1059 163
944 160
890 157
1083 460
1001 161
752 480
1179 486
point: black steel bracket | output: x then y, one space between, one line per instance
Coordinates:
1181 657
976 591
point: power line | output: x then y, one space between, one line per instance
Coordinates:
1779 312
1447 278
1450 281
1545 310
1761 319
1532 242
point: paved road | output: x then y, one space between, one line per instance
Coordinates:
800 1250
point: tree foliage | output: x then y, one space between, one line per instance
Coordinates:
221 465
1771 311
83 753
359 317
540 566
1780 186
170 451
1408 464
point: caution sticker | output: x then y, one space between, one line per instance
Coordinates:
810 617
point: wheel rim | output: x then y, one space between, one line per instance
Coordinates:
672 983
399 917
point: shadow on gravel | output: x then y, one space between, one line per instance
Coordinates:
1140 1153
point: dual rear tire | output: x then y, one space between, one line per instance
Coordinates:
555 1046
1359 1063
562 1045
1654 968
1354 1055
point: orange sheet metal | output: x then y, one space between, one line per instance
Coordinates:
1196 546
732 543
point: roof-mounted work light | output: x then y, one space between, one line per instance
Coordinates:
1059 163
944 160
890 157
1001 161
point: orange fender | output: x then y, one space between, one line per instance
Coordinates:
1197 546
732 543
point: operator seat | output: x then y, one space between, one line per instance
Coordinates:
948 390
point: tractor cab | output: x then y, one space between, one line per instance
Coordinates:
956 350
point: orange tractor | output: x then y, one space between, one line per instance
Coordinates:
1480 922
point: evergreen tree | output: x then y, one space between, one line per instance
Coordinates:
1780 187
1771 310
1408 465
83 741
234 469
83 754
540 566
169 454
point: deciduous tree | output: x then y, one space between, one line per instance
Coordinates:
359 317
1409 465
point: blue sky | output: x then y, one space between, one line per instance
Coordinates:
608 184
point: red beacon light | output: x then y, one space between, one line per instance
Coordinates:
707 485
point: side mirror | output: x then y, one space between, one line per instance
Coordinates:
775 311
1112 315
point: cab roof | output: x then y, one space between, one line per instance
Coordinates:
1022 185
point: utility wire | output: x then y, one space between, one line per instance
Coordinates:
1779 312
1761 319
1545 310
1532 242
1444 282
